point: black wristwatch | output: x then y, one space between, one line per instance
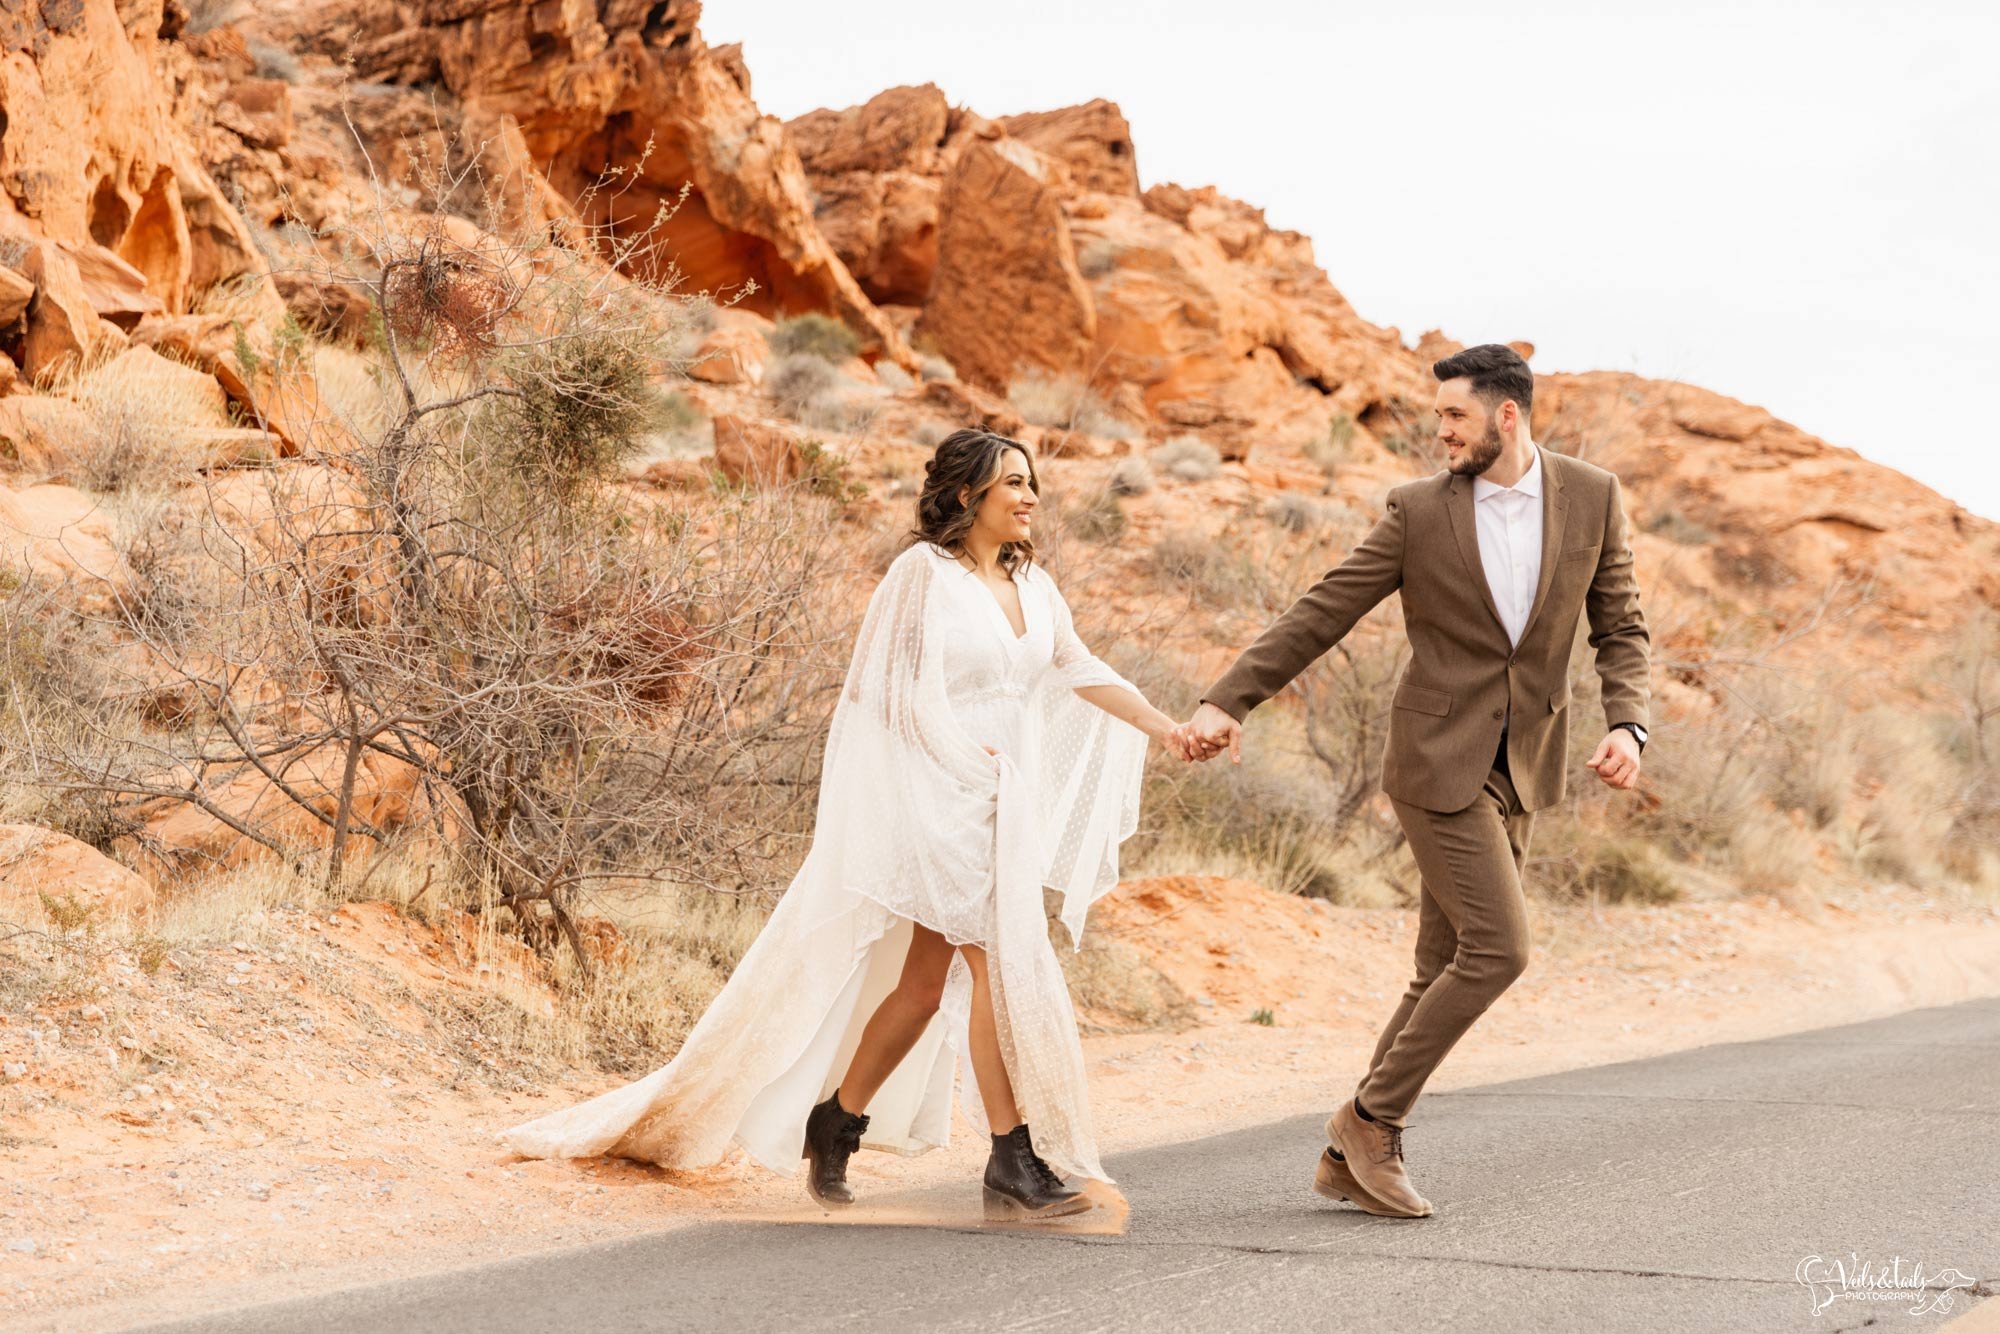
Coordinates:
1636 731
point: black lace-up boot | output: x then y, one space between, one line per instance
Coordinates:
1020 1185
833 1135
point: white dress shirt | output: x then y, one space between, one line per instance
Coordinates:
1509 519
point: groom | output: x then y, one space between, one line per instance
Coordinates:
1496 559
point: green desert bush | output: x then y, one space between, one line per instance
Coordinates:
812 335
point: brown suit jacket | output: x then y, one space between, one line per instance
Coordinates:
1465 683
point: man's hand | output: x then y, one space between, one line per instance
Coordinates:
1210 732
1617 759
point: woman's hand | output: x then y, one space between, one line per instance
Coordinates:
1168 733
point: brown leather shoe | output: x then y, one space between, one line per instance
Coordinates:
1374 1154
1333 1180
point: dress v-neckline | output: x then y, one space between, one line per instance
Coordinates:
993 599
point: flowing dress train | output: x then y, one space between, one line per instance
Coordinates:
915 823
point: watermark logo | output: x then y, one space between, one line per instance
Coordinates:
1900 1280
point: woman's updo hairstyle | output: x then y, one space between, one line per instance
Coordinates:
970 460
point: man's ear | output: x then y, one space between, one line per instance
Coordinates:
1510 415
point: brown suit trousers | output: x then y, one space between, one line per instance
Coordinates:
1479 731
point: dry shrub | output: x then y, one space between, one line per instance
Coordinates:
1773 854
443 299
584 406
1095 517
1066 402
578 689
136 425
812 335
1131 478
808 389
1116 987
1329 450
1218 572
1609 868
1188 458
1296 513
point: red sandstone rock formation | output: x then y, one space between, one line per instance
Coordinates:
1007 297
561 95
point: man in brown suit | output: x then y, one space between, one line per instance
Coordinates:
1497 559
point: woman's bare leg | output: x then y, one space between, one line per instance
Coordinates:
996 1090
899 1020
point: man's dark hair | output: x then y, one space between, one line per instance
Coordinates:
1497 372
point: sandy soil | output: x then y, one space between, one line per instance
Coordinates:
314 1109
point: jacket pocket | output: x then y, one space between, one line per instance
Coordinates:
1576 553
1423 699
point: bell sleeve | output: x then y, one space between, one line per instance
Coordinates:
907 797
1091 767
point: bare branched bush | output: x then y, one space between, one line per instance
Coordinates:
457 634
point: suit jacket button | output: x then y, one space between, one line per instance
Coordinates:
1497 714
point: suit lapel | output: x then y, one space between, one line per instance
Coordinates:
1465 531
1555 513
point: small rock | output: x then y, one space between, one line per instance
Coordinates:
143 1090
14 1069
240 946
258 1190
22 1246
93 1014
242 965
199 1117
129 1044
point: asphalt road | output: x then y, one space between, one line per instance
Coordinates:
1674 1194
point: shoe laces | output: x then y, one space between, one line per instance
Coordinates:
848 1136
1044 1174
1395 1140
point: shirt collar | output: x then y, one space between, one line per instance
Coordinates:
1529 485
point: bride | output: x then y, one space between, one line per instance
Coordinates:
965 770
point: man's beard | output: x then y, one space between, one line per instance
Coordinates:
1479 457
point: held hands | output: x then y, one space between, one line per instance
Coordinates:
1189 741
1617 760
1208 734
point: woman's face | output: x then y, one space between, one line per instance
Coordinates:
1006 512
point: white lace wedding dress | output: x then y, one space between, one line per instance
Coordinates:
916 822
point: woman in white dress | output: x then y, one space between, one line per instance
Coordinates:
965 769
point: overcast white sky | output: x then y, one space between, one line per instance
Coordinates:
1792 203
